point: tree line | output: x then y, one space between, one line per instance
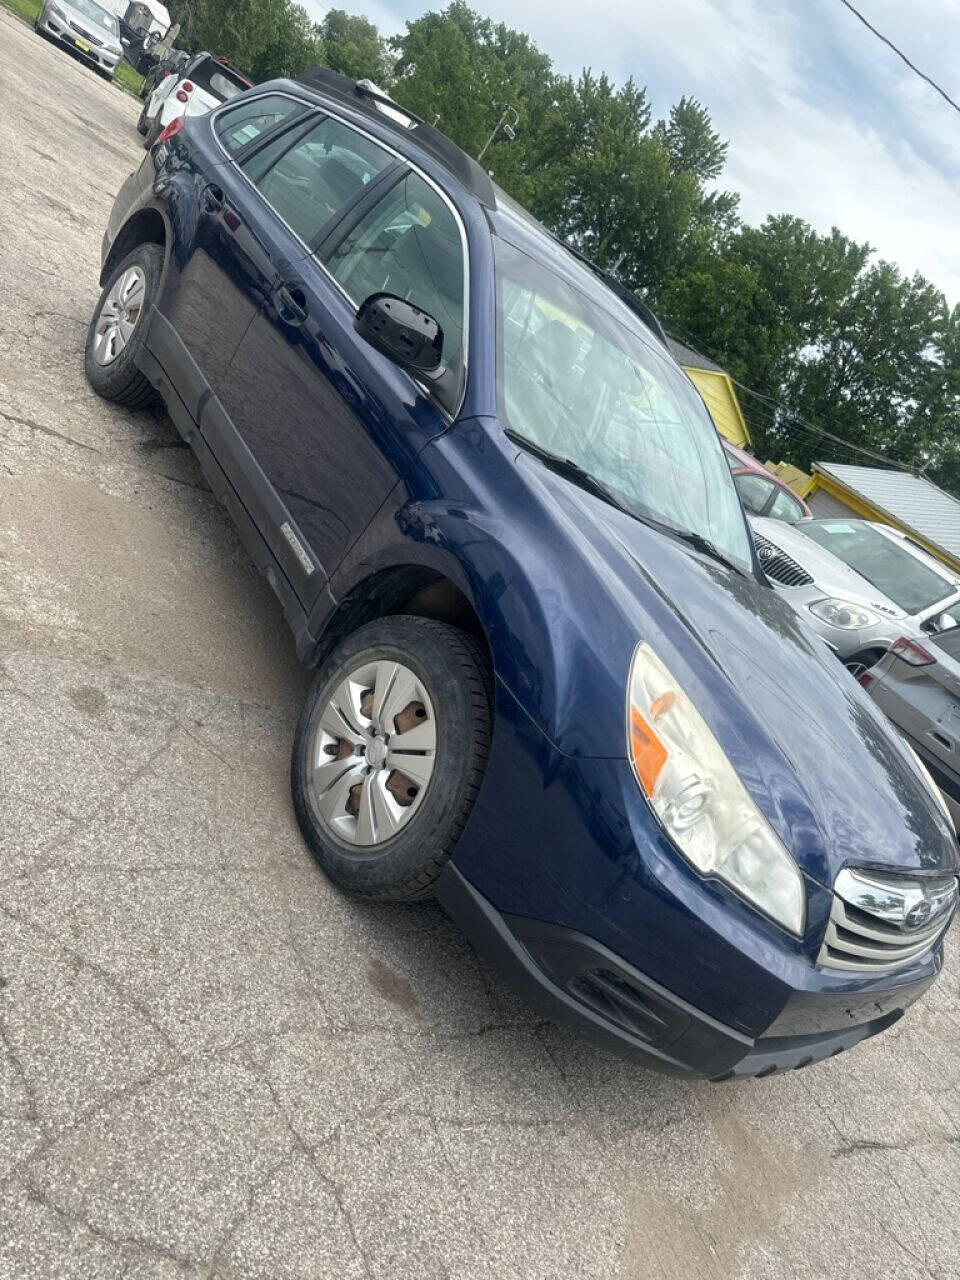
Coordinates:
830 337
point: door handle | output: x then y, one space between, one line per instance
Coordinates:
212 199
291 303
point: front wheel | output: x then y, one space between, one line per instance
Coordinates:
861 662
389 755
116 331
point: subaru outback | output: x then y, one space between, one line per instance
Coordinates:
554 688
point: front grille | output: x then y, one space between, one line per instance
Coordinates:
86 35
859 940
778 565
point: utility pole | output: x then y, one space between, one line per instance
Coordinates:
504 125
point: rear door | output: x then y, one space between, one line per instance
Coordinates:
332 424
224 246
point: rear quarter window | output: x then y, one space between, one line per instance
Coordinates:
247 121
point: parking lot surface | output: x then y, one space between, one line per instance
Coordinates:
211 1064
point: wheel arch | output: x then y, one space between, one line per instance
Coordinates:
417 589
146 226
864 659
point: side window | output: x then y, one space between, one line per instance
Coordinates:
310 179
409 245
786 508
238 127
754 491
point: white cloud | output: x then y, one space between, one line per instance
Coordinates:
823 120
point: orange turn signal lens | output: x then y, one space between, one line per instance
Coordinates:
648 753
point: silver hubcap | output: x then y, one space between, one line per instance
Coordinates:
373 747
119 314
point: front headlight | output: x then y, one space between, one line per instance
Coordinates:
843 613
699 799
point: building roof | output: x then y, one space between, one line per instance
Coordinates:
912 501
689 358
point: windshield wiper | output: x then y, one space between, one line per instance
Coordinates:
706 547
570 471
586 480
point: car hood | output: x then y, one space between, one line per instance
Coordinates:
831 575
818 757
110 41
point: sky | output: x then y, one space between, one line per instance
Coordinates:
823 120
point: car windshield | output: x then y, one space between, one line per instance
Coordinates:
96 14
903 578
578 377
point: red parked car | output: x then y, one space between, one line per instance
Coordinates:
761 493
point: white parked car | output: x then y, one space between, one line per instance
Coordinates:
858 583
201 85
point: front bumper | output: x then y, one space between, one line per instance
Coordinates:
578 982
103 60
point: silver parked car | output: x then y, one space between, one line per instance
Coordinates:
86 29
859 584
917 684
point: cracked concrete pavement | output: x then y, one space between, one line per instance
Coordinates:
213 1065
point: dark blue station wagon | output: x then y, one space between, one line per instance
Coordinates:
553 687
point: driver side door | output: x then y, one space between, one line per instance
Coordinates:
330 424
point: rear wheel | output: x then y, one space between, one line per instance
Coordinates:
389 755
116 331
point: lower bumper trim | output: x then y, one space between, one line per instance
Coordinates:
775 1054
576 981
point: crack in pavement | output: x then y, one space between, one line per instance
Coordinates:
47 431
33 1111
132 1242
859 1145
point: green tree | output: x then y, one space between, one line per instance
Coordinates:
872 363
628 194
354 47
462 70
763 296
265 38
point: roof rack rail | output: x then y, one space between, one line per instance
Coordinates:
363 95
626 296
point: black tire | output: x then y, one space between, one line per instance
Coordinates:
122 382
142 122
153 132
858 663
453 668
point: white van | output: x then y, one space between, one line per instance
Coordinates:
146 16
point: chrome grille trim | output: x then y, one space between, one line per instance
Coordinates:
860 940
86 34
778 565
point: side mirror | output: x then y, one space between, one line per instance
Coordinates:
942 622
406 335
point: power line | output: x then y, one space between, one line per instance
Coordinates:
793 420
788 420
901 55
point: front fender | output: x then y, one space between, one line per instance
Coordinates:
539 596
